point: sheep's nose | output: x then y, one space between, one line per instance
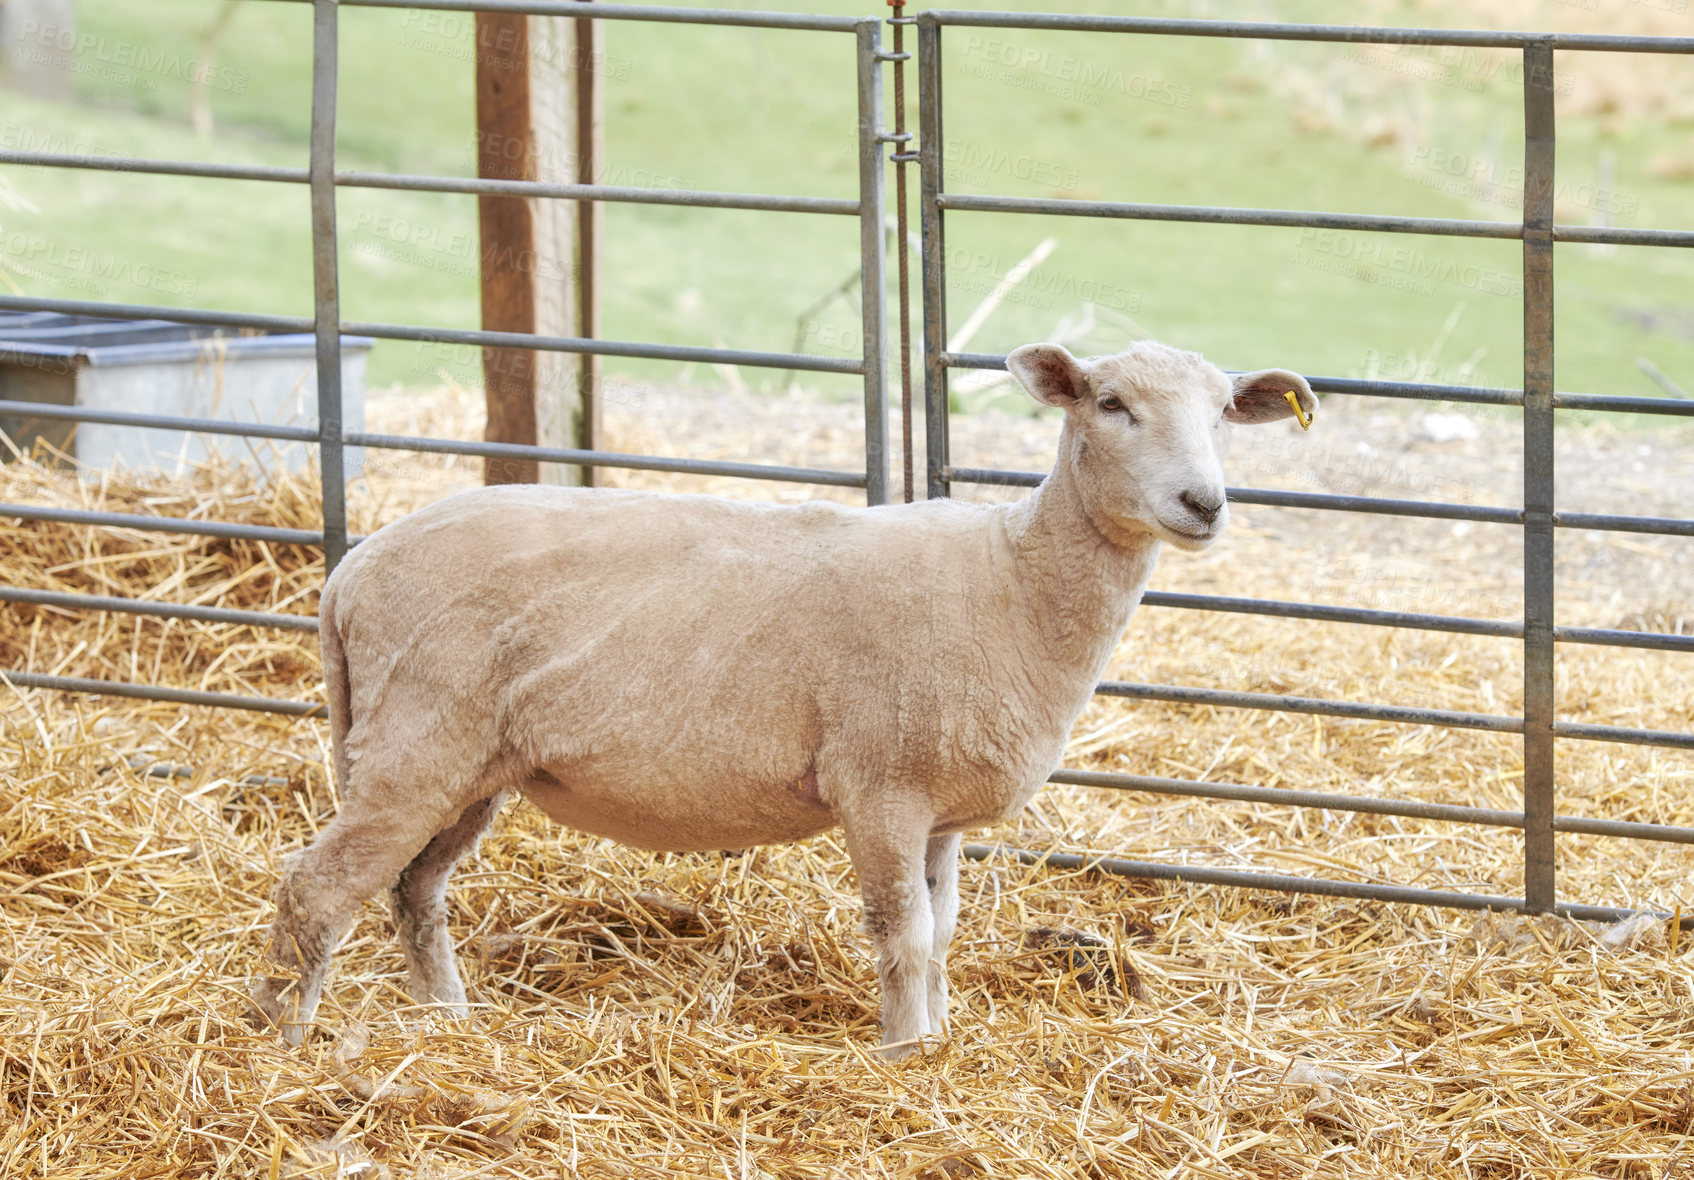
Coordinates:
1205 505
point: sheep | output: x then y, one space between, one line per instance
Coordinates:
686 673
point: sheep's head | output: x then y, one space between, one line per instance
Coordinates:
1147 430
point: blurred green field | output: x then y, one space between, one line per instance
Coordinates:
1182 120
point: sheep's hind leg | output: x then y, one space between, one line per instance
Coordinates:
379 830
419 899
941 863
889 857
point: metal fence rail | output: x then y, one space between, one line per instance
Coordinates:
1536 631
1538 518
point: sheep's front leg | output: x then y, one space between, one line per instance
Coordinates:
889 857
941 864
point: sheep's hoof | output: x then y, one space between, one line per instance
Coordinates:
900 1050
434 1009
268 1010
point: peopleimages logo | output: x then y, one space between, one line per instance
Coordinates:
1042 288
89 51
1075 78
458 35
825 334
1455 65
515 370
418 234
968 161
511 157
18 137
451 251
1394 265
1485 178
1351 472
64 265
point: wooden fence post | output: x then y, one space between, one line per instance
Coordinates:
536 253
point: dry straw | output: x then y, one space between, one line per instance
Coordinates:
644 1015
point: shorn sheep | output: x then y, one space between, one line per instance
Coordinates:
685 674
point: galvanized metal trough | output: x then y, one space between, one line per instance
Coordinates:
90 375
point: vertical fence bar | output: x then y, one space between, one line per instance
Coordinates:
873 280
326 296
903 253
1539 887
590 221
930 157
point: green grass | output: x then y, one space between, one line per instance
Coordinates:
1072 116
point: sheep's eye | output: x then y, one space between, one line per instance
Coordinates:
1112 405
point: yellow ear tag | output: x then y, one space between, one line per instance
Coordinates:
1304 418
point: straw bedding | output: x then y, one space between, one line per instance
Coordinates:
647 1015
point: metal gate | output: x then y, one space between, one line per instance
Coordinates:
1539 725
1537 398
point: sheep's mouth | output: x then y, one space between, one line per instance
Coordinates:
1206 533
1190 537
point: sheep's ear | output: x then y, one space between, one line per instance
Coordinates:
1049 373
1262 397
